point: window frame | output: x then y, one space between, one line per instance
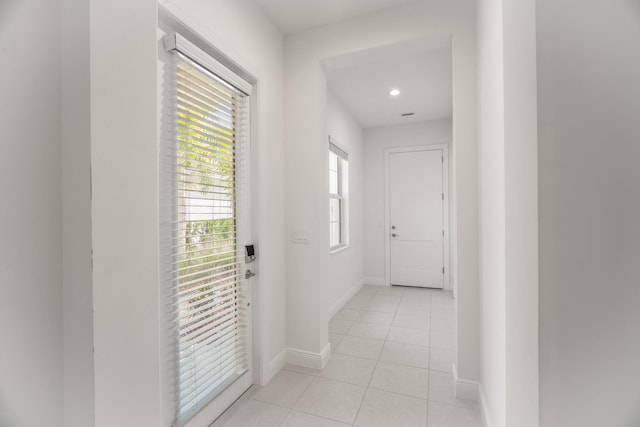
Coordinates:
342 171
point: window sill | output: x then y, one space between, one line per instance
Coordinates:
337 249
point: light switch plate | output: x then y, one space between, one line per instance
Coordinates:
300 237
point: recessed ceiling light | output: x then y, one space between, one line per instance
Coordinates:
394 92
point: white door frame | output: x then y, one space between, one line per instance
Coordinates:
445 211
174 18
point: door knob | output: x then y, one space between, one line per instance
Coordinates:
395 235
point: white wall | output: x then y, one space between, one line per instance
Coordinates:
346 267
124 161
31 360
76 215
492 209
306 170
376 140
127 328
589 99
509 246
521 219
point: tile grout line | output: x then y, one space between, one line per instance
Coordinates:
402 394
429 365
366 390
299 397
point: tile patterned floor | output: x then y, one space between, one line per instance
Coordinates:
392 353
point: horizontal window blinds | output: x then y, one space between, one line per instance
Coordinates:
209 119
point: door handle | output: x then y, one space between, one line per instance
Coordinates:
395 235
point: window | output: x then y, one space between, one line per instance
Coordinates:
338 197
200 198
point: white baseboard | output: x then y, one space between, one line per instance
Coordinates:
325 355
465 389
337 306
309 359
486 418
274 366
375 281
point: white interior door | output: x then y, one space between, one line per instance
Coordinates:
416 218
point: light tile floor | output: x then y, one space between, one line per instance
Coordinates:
392 356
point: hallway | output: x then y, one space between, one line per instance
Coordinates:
392 355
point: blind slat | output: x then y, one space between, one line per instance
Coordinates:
210 279
191 118
222 354
196 89
202 318
206 384
228 331
197 251
219 245
183 270
234 337
196 134
212 286
204 274
226 359
200 81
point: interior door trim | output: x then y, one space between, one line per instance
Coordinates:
445 213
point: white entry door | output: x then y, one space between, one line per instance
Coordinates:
205 224
416 218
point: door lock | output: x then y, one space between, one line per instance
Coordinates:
249 274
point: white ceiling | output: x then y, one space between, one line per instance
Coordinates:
420 69
297 15
363 81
